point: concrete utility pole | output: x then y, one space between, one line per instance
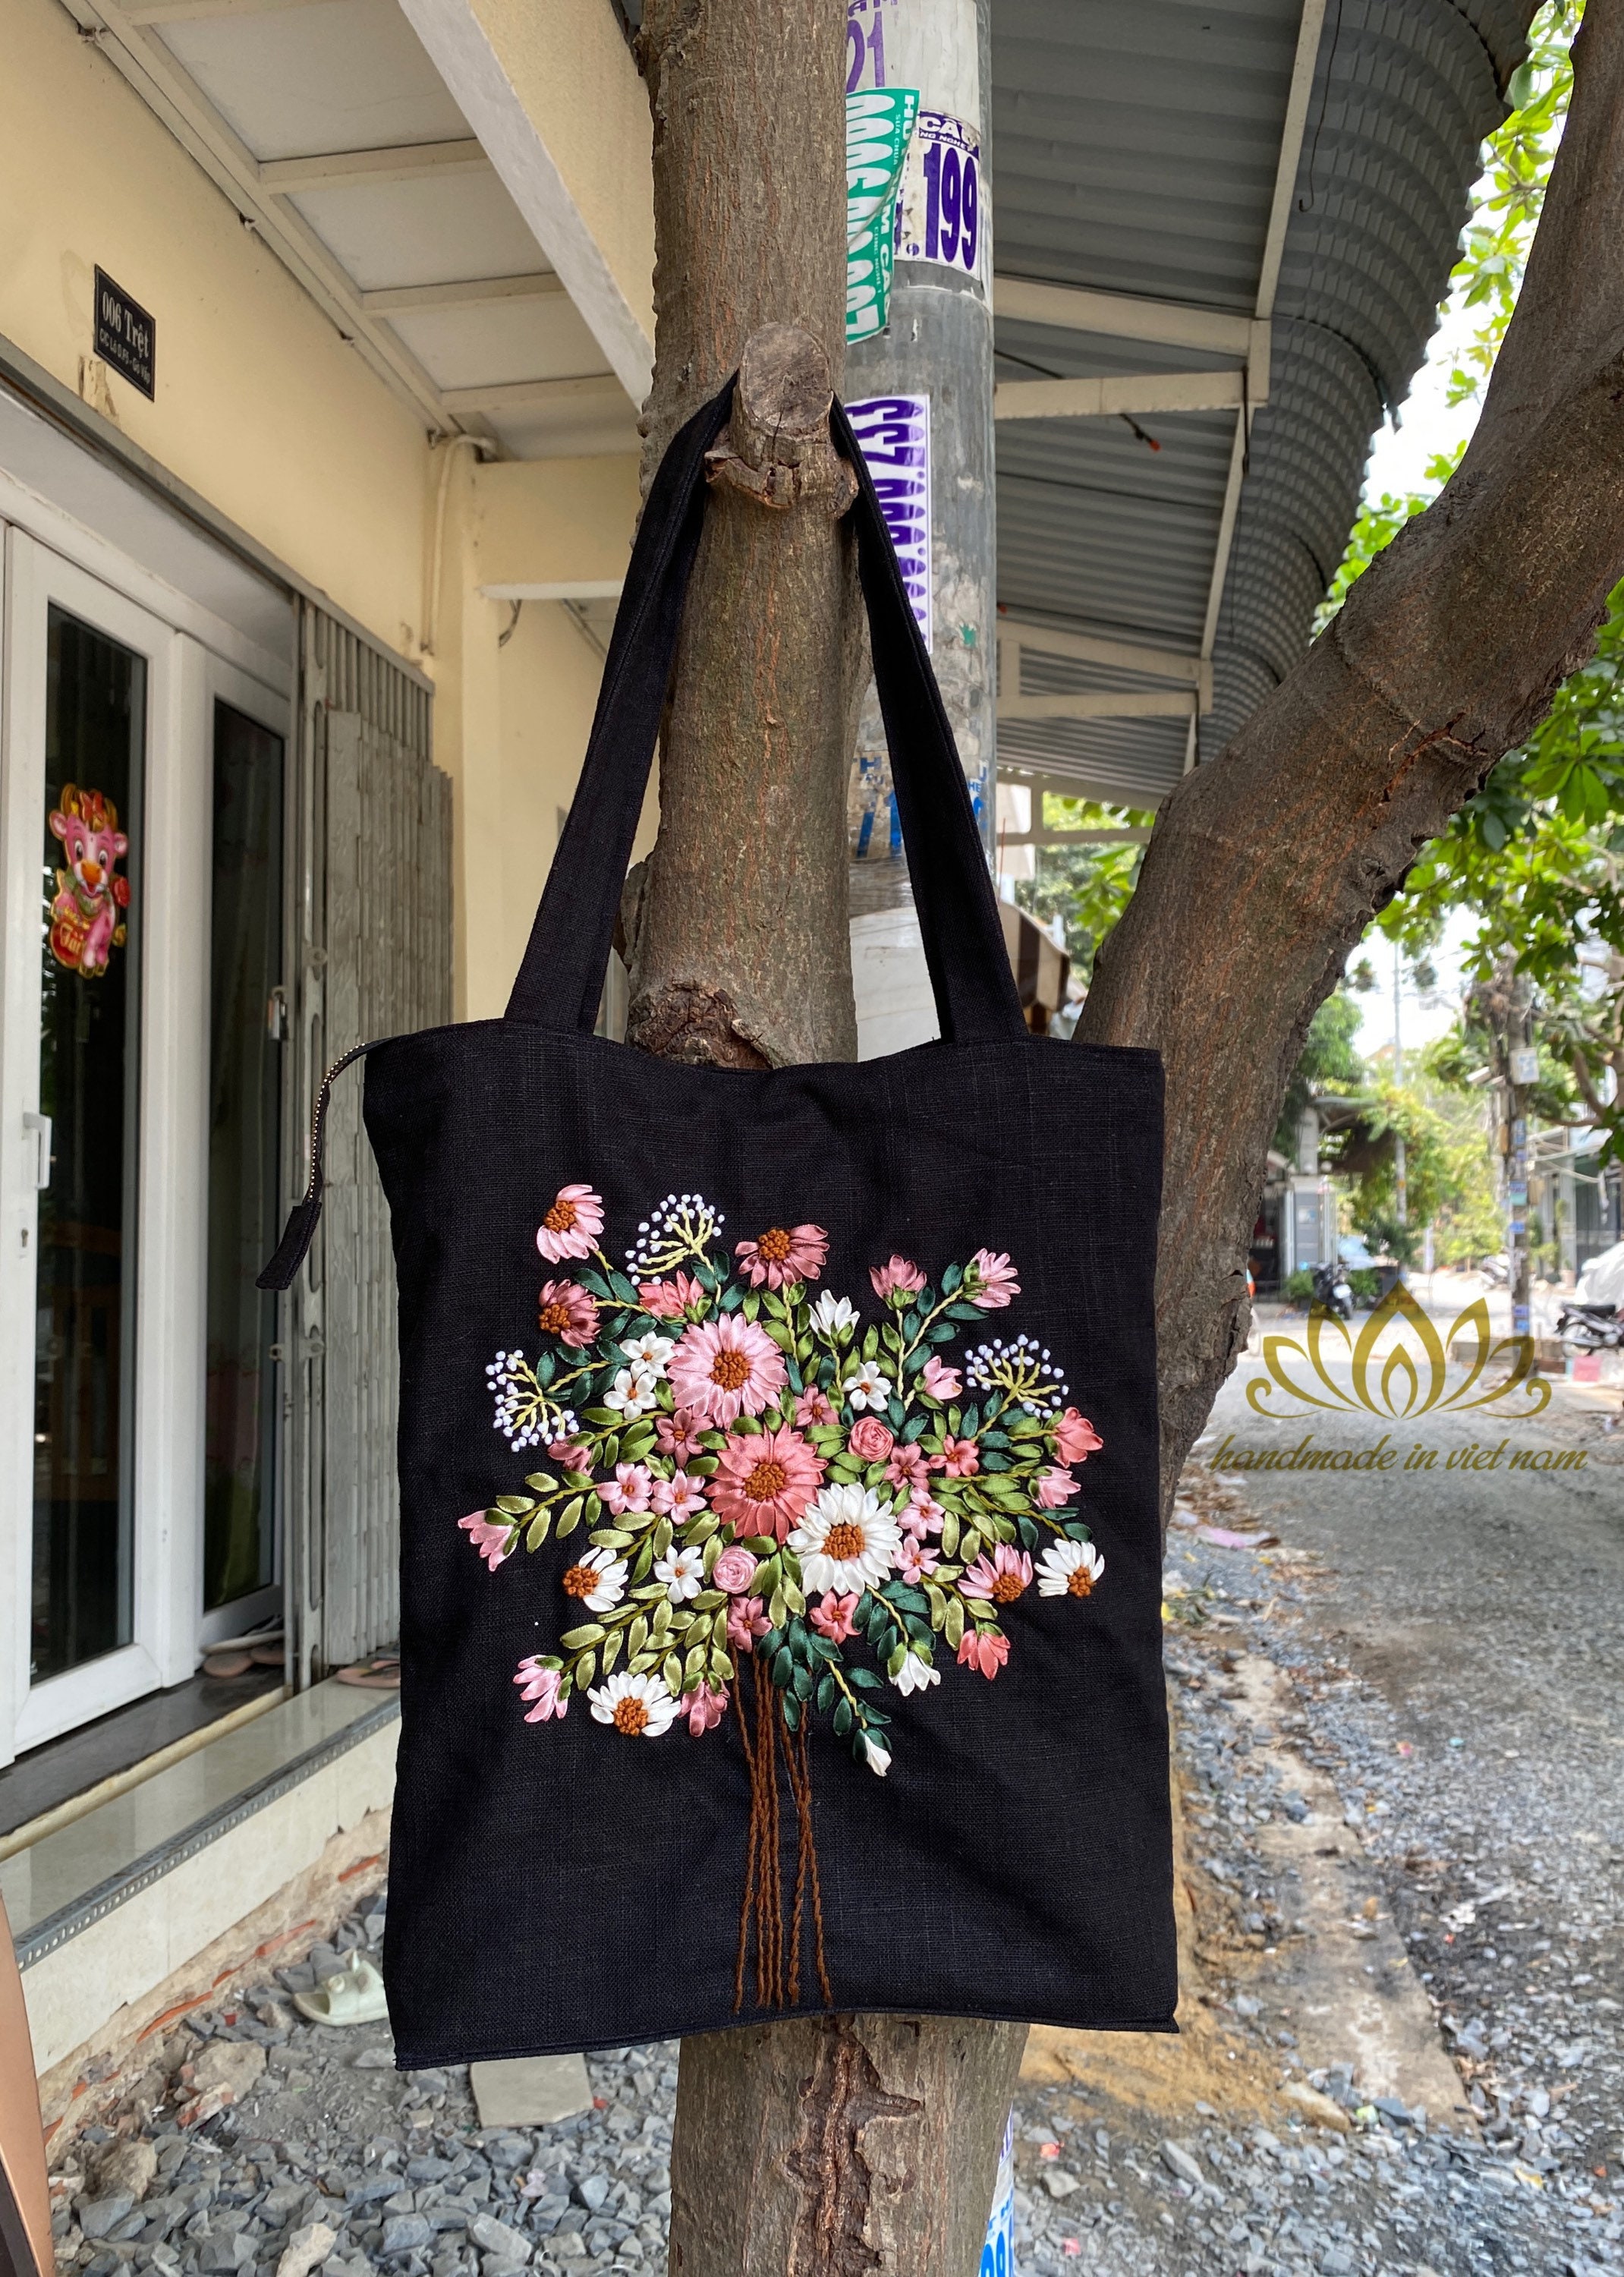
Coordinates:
923 386
1522 1071
1400 1160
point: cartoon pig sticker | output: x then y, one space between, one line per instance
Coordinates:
86 922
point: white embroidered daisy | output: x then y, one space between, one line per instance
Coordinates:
868 1387
641 1707
682 1570
633 1393
649 1353
849 1540
598 1580
915 1675
1069 1569
831 1314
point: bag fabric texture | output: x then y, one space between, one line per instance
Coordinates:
780 1561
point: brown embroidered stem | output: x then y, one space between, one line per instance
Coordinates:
763 1909
809 1855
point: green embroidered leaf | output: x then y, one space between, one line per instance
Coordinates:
897 1412
963 1313
825 1693
545 1367
778 1610
910 1327
952 1279
748 1424
610 1537
585 1668
611 1653
578 1481
938 1605
969 1545
864 1678
941 1332
592 1279
694 1664
642 1562
536 1532
514 1505
784 1669
569 1518
843 1719
540 1481
792 1712
609 1452
599 1416
577 1639
662 1537
801 1682
624 1288
642 1662
793 1597
731 1297
991 1460
971 1421
1077 1531
637 1636
953 1630
759 1545
1029 1533
877 1626
796 1382
701 1466
949 1534
670 1669
871 1342
893 1665
708 1600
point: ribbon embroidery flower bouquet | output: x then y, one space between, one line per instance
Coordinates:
743 1469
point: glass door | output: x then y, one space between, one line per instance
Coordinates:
248 1026
88 928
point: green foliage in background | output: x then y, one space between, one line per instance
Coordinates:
1087 887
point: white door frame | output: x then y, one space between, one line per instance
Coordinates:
183 681
226 684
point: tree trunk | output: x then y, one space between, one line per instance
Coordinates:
1266 866
739 947
840 2143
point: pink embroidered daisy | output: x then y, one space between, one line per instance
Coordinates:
678 1499
629 1489
747 1619
705 1708
814 1408
985 1650
541 1685
941 1382
764 1479
567 1312
1000 1579
835 1617
958 1458
899 1276
779 1256
678 1435
1054 1487
726 1367
1075 1438
668 1300
572 1226
494 1542
996 1284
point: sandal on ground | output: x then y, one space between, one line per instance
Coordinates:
381 1673
354 1996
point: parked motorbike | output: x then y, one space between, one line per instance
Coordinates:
1591 1327
1334 1291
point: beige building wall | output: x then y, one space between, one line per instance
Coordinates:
263 410
261 406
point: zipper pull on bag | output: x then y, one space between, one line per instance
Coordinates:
306 1213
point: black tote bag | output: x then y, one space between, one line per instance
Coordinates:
780 1617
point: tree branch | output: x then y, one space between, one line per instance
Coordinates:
1266 866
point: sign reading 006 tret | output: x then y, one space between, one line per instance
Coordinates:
126 335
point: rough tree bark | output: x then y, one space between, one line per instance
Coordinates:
1267 866
849 2144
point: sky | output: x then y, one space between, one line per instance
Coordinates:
1397 464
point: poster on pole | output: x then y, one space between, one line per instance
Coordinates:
940 212
879 126
894 433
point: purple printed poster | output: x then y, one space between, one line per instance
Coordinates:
894 432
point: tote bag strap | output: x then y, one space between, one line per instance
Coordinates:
561 979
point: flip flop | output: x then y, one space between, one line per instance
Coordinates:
354 1996
228 1661
381 1673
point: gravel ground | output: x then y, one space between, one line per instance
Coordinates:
1453 1656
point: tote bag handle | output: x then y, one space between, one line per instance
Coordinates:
560 982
